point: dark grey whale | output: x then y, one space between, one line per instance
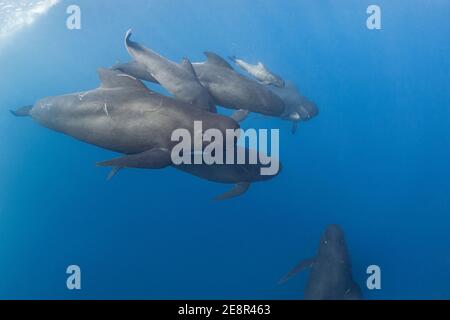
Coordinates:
298 107
228 88
232 90
331 274
241 175
178 79
124 116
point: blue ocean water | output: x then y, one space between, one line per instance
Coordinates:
375 160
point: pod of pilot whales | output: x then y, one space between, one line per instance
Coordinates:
125 116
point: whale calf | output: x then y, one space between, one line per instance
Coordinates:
178 79
228 88
122 115
331 274
259 72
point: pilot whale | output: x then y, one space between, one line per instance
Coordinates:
298 107
227 87
331 274
241 175
122 115
178 79
259 72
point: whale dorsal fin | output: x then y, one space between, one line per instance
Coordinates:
187 66
217 60
116 79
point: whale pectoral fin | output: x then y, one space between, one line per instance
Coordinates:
22 112
294 127
152 159
353 292
113 173
217 60
298 268
240 115
239 189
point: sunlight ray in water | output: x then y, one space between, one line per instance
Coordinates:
14 15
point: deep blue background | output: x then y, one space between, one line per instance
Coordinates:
375 161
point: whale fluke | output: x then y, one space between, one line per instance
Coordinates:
22 111
239 189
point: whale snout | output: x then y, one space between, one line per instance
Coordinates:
307 110
334 233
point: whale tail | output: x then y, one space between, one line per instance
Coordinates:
22 111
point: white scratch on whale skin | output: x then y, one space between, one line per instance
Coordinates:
105 108
126 75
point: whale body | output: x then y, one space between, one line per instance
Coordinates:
331 272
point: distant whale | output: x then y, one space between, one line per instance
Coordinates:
259 72
178 79
228 88
331 274
122 115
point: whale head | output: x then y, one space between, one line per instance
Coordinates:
332 244
306 109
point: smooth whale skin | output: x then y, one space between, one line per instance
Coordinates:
134 69
232 90
178 79
331 272
259 72
242 175
228 88
298 107
124 116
